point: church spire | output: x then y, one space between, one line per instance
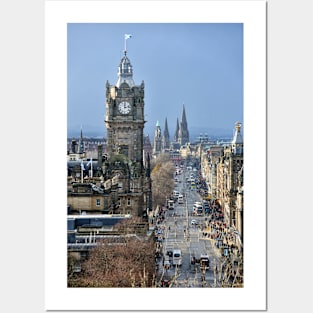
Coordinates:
183 116
81 141
176 131
166 137
183 136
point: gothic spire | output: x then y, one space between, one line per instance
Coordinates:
166 137
183 136
81 141
176 131
183 116
166 132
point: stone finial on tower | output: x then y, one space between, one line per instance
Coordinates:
237 143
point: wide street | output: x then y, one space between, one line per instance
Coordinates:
179 233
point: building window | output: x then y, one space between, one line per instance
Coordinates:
128 202
97 202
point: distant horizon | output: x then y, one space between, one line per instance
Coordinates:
194 132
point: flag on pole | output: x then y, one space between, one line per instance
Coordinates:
91 167
82 170
126 36
89 162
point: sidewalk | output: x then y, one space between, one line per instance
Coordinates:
222 239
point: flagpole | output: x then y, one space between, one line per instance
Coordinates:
126 36
91 166
81 171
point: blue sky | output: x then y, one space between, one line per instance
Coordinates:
198 65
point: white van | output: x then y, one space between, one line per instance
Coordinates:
180 199
177 257
170 204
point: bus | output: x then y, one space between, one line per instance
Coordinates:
177 257
204 261
197 208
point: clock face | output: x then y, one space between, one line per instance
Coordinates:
124 107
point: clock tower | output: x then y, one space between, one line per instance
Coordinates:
124 166
125 115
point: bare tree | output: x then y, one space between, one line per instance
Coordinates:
162 178
125 261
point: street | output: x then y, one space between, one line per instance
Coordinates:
179 233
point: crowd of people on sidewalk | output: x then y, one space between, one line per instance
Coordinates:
221 234
217 230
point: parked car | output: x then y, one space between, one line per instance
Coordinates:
167 262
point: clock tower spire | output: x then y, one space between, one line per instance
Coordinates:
125 72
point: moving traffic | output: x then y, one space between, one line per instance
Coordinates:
187 253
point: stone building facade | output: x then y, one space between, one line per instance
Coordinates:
223 168
233 181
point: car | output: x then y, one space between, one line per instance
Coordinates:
194 222
169 253
167 262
